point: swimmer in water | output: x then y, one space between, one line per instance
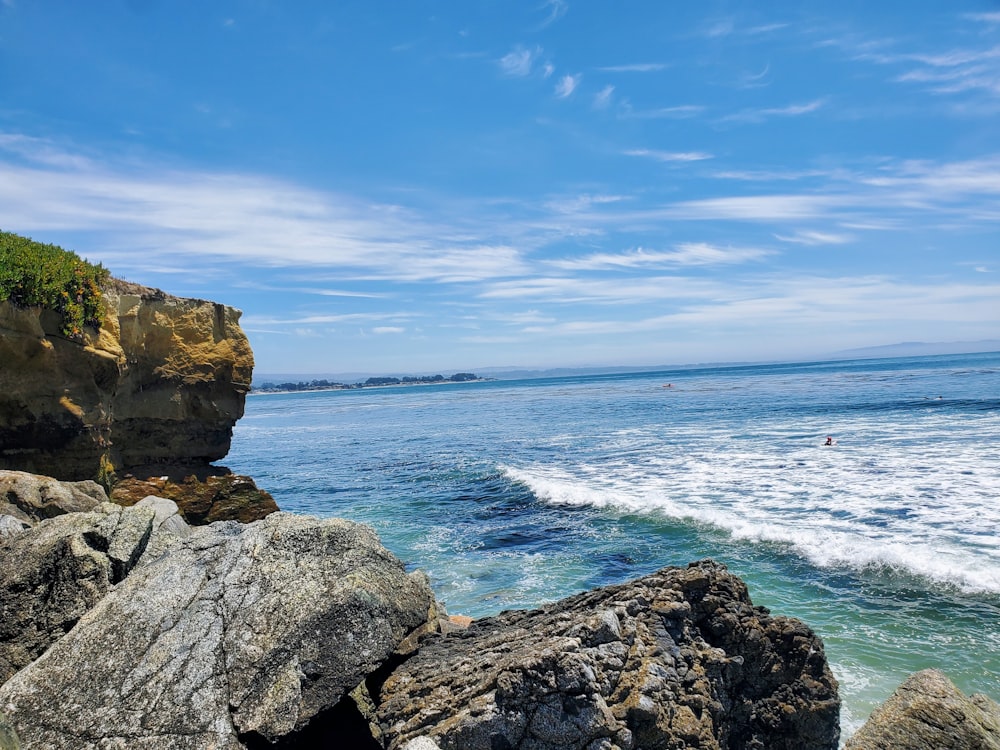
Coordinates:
829 440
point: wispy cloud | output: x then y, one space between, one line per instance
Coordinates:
602 99
157 212
519 61
634 68
766 113
556 10
668 156
951 71
685 254
989 18
679 112
388 329
567 85
810 237
617 291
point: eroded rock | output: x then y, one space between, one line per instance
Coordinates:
164 379
211 495
927 712
677 659
237 636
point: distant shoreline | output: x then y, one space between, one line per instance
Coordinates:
314 386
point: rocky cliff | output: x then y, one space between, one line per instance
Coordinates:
163 381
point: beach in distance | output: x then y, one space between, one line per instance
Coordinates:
512 493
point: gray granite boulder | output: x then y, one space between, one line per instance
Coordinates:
53 573
236 636
927 712
678 659
11 526
31 497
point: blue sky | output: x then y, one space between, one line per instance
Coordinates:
419 187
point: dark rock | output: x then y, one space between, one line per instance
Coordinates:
202 498
237 636
30 497
927 712
678 659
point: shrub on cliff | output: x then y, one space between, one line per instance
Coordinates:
35 274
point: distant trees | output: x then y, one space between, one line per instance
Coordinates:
374 382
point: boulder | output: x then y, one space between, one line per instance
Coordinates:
927 712
30 497
237 636
213 494
680 658
163 380
53 573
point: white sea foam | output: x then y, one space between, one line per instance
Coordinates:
879 499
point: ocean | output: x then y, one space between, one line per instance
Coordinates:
513 493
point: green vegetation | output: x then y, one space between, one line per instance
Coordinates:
33 274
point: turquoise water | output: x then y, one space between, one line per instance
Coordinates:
513 493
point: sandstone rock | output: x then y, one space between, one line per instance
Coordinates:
678 659
203 497
163 380
30 497
927 712
51 574
238 636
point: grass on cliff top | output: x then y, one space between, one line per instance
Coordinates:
33 274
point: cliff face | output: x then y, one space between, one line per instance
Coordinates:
164 380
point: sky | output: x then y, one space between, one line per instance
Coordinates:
450 185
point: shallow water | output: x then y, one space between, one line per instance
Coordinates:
513 493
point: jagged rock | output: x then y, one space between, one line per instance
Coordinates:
53 573
927 712
203 497
678 659
30 497
238 636
163 380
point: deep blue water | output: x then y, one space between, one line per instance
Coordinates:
513 493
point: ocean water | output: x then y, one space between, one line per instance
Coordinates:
515 493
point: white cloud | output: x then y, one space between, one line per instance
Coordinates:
634 68
766 113
760 207
809 237
684 254
567 85
603 97
388 329
519 61
668 156
989 18
557 9
157 213
680 112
